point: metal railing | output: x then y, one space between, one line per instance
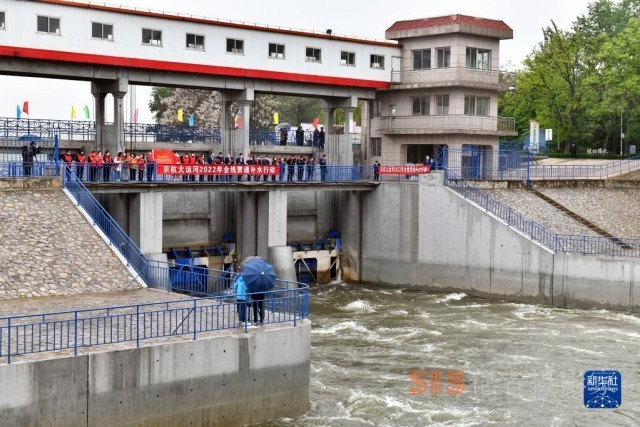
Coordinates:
446 123
437 76
66 129
577 244
147 172
140 132
108 326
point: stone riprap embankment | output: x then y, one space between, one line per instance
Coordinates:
614 210
542 212
48 248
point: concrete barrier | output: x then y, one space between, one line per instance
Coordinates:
429 236
226 380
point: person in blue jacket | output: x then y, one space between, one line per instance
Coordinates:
240 289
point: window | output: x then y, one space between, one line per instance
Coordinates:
416 153
420 106
476 106
478 58
376 147
314 55
442 105
421 59
443 57
101 31
276 51
235 46
48 25
377 109
152 37
377 61
348 58
1 20
195 41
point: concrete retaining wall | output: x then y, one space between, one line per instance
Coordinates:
228 380
427 235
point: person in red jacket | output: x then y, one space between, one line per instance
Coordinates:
192 161
80 161
92 166
108 164
99 165
140 161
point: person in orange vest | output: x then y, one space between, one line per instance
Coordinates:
68 158
108 164
80 161
140 161
150 165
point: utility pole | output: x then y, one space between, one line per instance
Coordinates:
621 134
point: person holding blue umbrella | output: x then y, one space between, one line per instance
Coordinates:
259 277
240 289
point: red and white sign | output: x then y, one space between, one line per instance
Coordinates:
219 170
164 157
404 170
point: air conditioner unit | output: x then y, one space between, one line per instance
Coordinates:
375 65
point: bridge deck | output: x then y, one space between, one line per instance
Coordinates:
234 186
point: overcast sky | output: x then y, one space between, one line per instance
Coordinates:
365 18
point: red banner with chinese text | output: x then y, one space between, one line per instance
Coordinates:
164 157
404 170
219 170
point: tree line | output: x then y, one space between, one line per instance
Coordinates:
584 82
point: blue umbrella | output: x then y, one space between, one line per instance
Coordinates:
258 275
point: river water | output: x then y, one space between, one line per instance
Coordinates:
523 364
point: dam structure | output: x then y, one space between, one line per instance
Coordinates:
117 294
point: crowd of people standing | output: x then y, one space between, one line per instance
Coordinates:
129 166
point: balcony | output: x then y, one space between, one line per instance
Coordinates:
457 76
450 124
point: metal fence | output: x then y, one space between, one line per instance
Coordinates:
11 128
147 172
140 132
585 245
78 329
28 156
474 162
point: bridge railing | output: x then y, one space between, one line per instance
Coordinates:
148 172
576 244
109 326
140 132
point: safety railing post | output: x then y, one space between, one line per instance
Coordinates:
295 306
9 341
195 318
137 325
75 333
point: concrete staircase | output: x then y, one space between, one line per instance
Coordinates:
593 227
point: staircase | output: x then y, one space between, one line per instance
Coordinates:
579 218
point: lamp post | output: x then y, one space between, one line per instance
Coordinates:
621 134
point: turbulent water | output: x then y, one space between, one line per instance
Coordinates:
523 364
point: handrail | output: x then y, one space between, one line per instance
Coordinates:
578 244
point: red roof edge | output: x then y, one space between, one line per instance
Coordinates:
440 21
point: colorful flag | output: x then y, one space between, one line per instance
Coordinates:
316 121
25 107
86 112
180 115
135 115
18 112
192 120
276 118
73 112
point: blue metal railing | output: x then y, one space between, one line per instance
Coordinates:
473 162
78 329
133 172
140 132
577 244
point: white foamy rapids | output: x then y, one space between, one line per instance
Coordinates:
451 297
342 326
360 306
532 312
399 312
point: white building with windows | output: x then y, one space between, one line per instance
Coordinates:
444 91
